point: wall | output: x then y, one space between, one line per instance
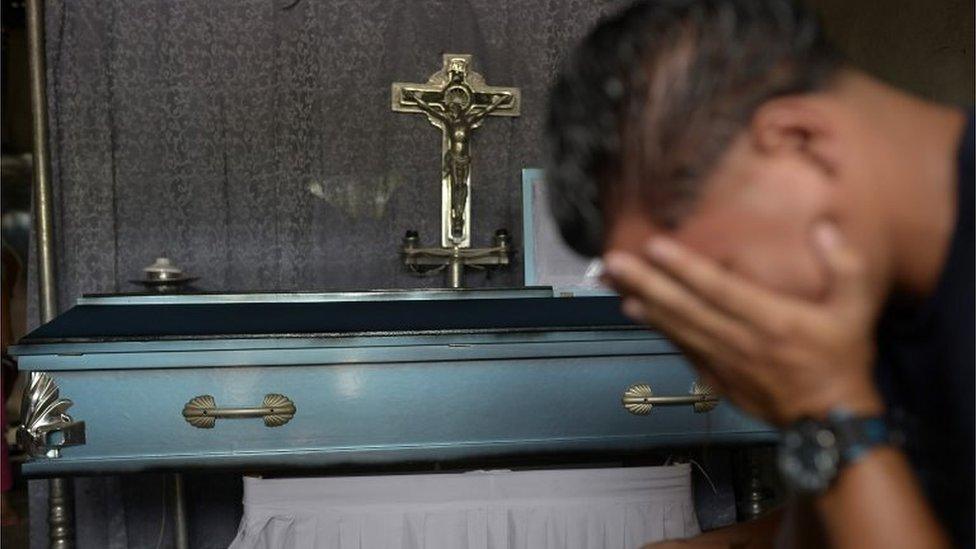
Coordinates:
922 46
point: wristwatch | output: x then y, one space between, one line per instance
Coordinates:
812 452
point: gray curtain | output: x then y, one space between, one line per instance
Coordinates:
253 143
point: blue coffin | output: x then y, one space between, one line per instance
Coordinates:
368 378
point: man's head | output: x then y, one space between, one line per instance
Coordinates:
707 120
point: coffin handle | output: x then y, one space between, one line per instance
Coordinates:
639 399
202 411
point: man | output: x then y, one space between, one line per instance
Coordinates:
805 234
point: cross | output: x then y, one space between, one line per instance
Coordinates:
456 100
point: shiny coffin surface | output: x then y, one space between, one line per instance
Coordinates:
528 377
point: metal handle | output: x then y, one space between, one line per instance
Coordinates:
638 399
202 411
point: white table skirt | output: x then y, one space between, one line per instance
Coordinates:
620 508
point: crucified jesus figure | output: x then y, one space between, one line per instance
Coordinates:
458 115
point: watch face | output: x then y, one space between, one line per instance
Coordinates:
808 457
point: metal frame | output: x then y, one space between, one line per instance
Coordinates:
530 178
43 195
60 490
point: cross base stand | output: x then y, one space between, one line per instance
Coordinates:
454 259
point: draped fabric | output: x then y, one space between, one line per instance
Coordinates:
252 141
620 508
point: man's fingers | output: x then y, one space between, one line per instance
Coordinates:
722 289
708 373
728 383
848 283
665 302
718 364
716 360
693 341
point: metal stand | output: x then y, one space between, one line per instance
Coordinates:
179 513
454 259
43 196
60 517
756 498
60 493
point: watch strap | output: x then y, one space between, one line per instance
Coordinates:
858 434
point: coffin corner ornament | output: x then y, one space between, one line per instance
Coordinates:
456 100
46 427
202 411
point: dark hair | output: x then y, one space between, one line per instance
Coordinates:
653 95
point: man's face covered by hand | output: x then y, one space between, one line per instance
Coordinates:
754 217
758 284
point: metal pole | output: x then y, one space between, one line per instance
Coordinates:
179 513
455 271
756 499
43 200
60 513
60 492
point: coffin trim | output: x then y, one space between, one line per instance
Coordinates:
47 427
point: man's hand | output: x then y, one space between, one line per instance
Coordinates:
775 356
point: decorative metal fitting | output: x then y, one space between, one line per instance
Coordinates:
639 399
164 276
411 240
428 260
46 427
202 411
163 269
502 239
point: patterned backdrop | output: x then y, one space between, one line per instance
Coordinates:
253 142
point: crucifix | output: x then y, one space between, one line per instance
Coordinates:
456 100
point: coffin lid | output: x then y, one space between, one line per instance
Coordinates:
144 317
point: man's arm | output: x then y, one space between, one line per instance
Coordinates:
877 502
866 508
499 100
782 359
424 106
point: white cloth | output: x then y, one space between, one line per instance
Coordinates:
621 508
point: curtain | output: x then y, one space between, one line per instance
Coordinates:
616 508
